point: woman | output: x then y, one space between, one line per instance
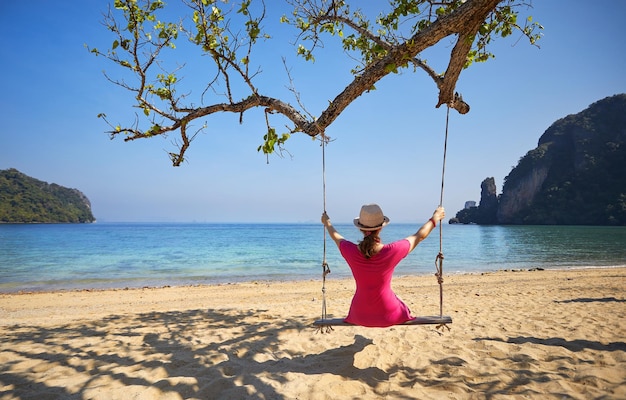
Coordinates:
372 263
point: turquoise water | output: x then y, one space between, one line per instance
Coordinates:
54 257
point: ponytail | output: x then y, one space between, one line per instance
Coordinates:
369 242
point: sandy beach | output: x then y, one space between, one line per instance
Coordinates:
515 334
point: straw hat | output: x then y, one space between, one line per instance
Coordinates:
371 218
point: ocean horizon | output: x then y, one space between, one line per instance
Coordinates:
107 255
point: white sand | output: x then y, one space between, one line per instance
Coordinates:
541 334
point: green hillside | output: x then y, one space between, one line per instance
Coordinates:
27 200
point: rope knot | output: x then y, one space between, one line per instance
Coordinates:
438 266
325 268
325 329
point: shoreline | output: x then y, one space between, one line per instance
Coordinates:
526 334
295 280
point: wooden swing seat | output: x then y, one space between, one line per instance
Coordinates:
428 320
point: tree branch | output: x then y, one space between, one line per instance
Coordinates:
382 54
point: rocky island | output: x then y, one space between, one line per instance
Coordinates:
575 176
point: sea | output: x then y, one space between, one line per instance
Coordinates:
53 257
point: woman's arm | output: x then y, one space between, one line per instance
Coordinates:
423 232
332 232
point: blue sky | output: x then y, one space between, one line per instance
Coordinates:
387 147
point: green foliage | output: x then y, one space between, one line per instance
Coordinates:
502 23
405 18
468 216
271 140
27 200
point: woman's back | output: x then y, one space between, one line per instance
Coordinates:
374 302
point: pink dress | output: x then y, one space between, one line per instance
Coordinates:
374 303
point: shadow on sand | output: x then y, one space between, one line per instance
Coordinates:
233 354
196 353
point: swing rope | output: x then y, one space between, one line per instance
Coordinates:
440 257
325 267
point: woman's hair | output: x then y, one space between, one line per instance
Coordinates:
369 242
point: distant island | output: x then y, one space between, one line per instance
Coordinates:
575 176
27 200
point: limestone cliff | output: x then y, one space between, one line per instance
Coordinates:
488 206
577 173
519 196
575 176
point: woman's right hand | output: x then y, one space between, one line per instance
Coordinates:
439 214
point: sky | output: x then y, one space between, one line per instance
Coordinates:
387 146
